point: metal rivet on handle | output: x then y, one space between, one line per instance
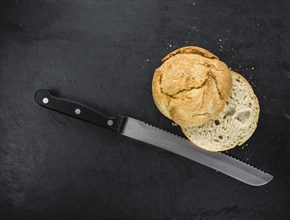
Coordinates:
78 111
110 122
45 100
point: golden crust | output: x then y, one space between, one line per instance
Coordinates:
191 50
191 86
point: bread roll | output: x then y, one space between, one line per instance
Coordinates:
191 86
234 125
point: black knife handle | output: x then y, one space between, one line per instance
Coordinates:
78 110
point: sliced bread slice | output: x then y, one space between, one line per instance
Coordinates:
234 125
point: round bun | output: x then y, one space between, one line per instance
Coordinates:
234 125
191 86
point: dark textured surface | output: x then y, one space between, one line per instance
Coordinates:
104 53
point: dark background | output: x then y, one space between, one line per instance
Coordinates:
104 53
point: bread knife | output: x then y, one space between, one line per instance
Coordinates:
144 132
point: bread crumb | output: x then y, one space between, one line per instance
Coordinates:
147 60
287 116
244 145
194 28
220 40
221 46
173 124
169 45
253 68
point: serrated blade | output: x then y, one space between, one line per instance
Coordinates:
221 162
